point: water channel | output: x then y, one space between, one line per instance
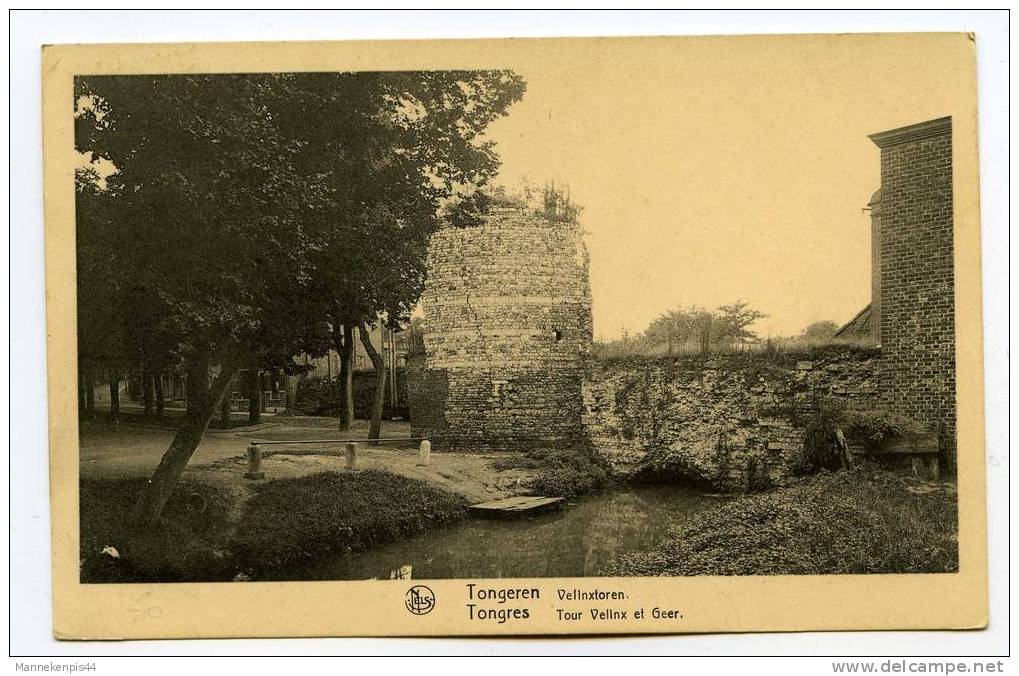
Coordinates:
578 540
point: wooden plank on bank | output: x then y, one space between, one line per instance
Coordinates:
520 504
911 445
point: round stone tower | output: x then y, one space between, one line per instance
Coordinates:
507 332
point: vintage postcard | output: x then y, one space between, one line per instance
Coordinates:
538 336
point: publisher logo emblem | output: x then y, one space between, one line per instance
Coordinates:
420 600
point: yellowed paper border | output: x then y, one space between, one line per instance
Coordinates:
376 608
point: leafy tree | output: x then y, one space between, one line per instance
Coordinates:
734 322
257 217
197 236
681 327
402 154
415 337
100 339
700 328
820 329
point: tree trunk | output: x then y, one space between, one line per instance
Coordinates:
204 401
114 395
82 410
341 350
845 457
147 391
380 382
90 394
185 391
706 335
254 398
224 407
160 398
345 350
291 392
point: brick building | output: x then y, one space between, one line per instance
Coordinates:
913 291
507 330
393 346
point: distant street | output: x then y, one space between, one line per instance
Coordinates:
135 450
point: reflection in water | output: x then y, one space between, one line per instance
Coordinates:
401 573
576 541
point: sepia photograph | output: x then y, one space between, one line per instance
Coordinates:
603 310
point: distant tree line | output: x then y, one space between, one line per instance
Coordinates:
820 330
695 330
702 330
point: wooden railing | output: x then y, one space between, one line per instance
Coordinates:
255 454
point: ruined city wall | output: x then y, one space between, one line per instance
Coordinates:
917 276
507 332
730 421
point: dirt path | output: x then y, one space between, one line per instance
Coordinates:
111 451
132 450
479 477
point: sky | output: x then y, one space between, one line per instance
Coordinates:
715 170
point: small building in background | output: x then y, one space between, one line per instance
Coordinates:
394 347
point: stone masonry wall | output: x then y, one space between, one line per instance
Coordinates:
917 277
507 332
426 394
728 421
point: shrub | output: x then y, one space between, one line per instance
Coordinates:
569 480
547 201
873 427
566 472
290 520
186 546
415 339
319 395
862 521
820 448
780 351
758 479
869 428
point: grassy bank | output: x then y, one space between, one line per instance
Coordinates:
773 350
561 472
189 545
864 521
293 520
171 419
287 521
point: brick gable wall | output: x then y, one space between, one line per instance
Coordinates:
917 277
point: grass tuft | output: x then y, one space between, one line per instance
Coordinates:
289 521
779 351
862 521
564 472
186 546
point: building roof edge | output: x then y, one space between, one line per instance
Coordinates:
913 132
